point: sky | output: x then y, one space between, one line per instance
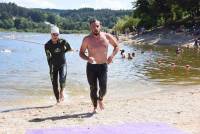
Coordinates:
73 4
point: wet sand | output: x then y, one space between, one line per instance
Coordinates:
178 108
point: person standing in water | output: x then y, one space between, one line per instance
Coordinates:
55 50
96 44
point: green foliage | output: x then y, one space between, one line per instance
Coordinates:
37 16
51 18
131 22
25 19
164 12
22 23
120 25
126 22
7 23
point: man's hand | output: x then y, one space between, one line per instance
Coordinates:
91 60
110 59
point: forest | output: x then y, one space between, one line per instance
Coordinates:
152 14
149 14
16 18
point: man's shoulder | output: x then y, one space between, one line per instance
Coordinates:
107 34
87 38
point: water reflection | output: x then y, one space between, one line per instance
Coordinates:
24 72
161 64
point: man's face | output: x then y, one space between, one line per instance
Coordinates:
54 37
95 27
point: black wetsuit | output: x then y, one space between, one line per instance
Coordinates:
97 72
57 63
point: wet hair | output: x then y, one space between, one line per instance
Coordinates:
122 51
93 20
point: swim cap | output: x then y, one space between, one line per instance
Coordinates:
54 29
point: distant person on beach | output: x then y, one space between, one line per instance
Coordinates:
130 56
96 43
123 53
178 50
197 43
133 54
115 34
55 50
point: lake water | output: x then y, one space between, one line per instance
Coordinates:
24 72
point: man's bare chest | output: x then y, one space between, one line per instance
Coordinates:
98 44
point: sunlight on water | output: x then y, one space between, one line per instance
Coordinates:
24 71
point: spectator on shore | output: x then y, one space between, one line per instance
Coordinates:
115 34
197 43
123 53
178 50
129 56
133 54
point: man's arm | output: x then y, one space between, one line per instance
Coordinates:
115 44
83 48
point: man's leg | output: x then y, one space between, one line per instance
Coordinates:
54 80
62 80
92 80
102 77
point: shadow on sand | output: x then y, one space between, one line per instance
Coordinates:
26 108
81 115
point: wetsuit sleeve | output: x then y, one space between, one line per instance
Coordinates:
48 54
67 46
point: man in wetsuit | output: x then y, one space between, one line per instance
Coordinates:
55 50
97 59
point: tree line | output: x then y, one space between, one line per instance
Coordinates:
13 17
155 13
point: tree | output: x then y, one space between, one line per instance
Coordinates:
23 23
5 15
37 16
72 20
191 6
8 23
51 18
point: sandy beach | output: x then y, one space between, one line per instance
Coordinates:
161 37
178 108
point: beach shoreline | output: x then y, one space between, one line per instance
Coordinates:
160 37
178 108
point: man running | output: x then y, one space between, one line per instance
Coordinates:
96 45
55 50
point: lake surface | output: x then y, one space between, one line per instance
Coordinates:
24 72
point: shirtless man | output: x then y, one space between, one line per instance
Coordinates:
96 45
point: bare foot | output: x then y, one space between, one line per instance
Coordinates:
58 102
61 95
101 106
94 110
